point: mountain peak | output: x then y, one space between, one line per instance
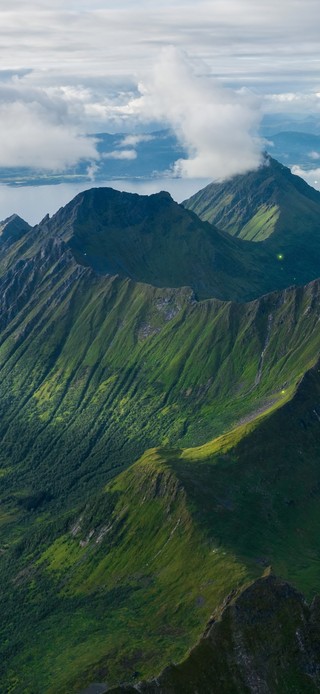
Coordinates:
13 227
150 239
259 204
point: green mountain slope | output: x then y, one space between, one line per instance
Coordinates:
96 368
132 576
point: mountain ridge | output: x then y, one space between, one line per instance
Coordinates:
154 240
115 510
12 228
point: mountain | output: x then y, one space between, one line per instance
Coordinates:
270 205
154 240
265 639
123 584
13 228
273 123
96 368
121 527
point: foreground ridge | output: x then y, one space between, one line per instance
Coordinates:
265 639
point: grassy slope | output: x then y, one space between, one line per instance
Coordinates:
128 585
95 370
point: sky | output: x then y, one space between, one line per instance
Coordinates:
209 70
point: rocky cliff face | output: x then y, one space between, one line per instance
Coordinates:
266 640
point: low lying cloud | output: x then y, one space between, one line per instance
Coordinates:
304 102
37 132
42 128
215 125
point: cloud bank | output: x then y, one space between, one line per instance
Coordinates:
73 66
45 128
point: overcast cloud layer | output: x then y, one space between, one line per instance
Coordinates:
72 67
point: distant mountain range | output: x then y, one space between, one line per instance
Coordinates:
159 423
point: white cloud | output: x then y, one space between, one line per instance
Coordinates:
292 102
30 136
314 155
41 127
128 154
135 140
311 176
83 59
240 39
214 124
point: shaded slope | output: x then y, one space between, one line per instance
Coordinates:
152 239
264 640
127 585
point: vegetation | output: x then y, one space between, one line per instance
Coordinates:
161 546
109 568
264 638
